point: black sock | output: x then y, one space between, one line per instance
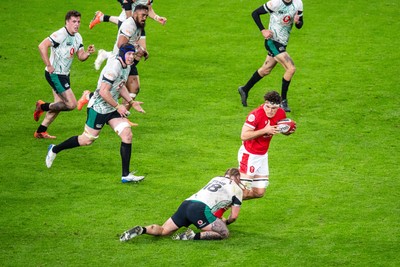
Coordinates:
285 88
45 106
67 144
125 152
41 129
253 80
106 18
91 94
144 230
196 236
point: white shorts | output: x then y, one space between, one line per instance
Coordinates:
251 164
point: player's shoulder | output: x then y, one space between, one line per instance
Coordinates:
60 33
113 68
298 4
78 37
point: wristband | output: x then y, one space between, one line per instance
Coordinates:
131 102
117 106
156 17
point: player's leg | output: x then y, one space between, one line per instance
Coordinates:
62 93
254 173
84 99
167 228
214 231
100 17
64 98
123 128
86 138
264 70
50 116
286 61
102 55
260 180
177 220
93 126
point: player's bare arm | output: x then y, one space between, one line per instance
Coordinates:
83 55
153 15
124 93
122 39
249 133
43 49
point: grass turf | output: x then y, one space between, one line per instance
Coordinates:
333 198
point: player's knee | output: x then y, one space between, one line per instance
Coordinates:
87 142
264 71
123 129
291 70
71 105
87 139
225 234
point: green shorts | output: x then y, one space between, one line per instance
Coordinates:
274 48
96 120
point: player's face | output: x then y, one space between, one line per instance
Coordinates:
270 109
129 57
140 17
73 24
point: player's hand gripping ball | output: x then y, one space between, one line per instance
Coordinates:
287 126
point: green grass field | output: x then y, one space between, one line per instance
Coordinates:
333 198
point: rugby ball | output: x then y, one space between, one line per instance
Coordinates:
287 126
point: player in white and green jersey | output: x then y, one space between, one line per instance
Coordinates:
104 109
129 32
127 8
63 44
221 192
283 15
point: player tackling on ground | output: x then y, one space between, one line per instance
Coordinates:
221 192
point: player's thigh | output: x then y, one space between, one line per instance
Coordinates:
169 227
269 64
251 165
285 60
68 96
122 127
199 214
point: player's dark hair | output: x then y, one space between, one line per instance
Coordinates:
141 7
72 13
273 97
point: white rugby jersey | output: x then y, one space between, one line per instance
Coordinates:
129 30
220 192
64 47
282 18
114 74
122 16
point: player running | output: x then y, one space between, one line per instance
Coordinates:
104 109
64 44
283 14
